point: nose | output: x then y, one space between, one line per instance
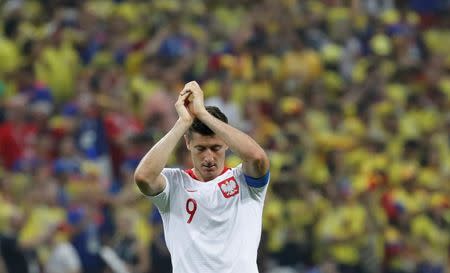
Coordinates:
208 156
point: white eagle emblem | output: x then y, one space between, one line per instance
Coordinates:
229 187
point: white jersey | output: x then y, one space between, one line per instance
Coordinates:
214 226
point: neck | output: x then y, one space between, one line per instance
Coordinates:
198 176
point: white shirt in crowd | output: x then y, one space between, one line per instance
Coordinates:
63 259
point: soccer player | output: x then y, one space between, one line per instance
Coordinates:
211 214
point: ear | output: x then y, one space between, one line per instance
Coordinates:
187 140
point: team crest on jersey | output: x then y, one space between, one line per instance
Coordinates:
229 187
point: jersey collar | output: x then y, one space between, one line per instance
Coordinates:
191 173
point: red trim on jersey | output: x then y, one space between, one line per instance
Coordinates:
191 173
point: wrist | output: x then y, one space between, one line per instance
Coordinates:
185 123
202 114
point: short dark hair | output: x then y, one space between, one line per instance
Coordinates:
199 127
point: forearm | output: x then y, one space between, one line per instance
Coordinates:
255 161
156 159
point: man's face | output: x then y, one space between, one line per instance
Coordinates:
208 155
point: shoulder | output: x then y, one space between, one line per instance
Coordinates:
237 171
173 174
175 177
169 171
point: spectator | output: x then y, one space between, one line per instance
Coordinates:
63 256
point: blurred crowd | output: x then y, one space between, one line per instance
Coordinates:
350 98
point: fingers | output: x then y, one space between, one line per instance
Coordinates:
182 98
181 106
192 87
184 94
192 98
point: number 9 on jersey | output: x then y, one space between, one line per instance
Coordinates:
191 208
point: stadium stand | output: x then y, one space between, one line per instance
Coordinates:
350 98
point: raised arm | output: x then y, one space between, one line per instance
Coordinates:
255 161
148 173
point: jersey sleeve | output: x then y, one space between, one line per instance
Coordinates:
257 186
162 199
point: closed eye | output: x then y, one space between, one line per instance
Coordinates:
216 148
200 148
